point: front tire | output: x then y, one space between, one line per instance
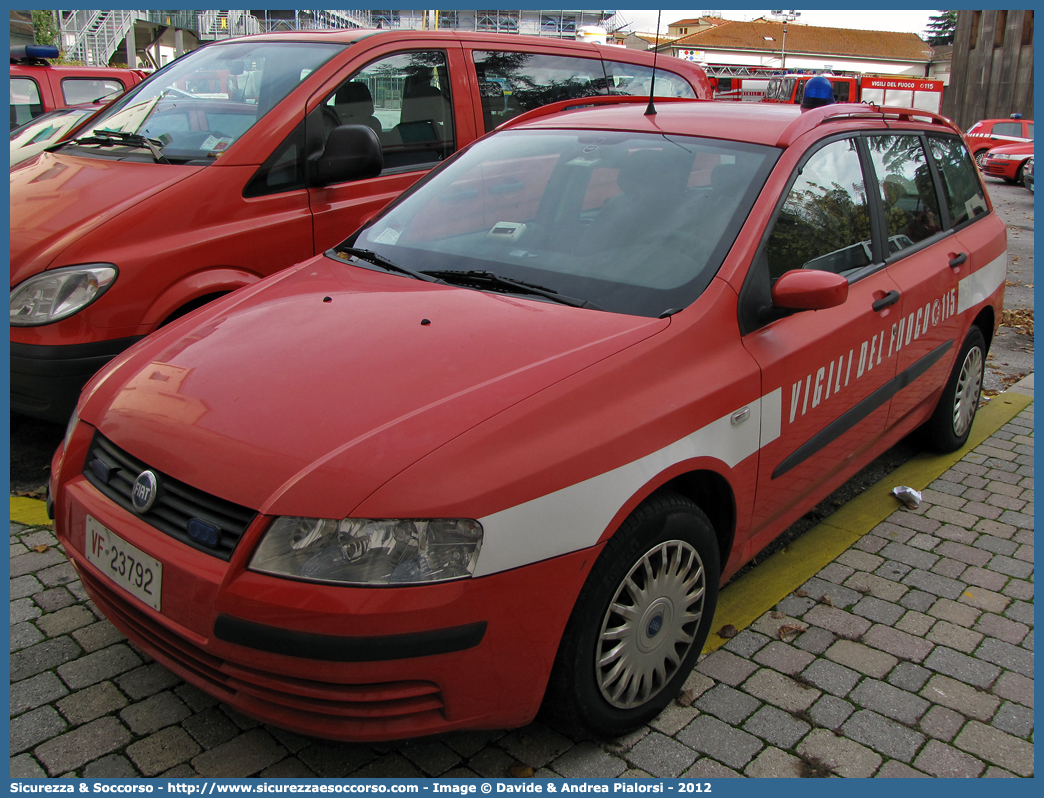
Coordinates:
950 425
640 621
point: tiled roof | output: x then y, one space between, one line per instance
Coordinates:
809 39
684 22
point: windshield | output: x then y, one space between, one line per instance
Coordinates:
631 223
198 106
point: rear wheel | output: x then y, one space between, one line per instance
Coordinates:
979 157
950 425
640 621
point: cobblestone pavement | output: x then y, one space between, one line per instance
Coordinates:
909 655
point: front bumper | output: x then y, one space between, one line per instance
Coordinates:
1006 169
46 380
358 664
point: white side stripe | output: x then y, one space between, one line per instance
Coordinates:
574 518
978 285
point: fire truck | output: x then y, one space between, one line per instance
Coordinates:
746 83
895 90
768 84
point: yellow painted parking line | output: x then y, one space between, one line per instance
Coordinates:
760 589
31 512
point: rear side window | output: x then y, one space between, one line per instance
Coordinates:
511 83
637 80
911 207
87 90
25 101
1029 131
824 222
1008 129
962 189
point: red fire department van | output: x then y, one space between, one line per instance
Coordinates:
226 166
38 87
500 447
897 90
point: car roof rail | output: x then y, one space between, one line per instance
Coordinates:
585 102
814 117
33 53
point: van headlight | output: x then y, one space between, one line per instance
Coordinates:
57 294
358 551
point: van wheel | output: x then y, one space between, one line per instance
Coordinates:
184 310
640 621
950 425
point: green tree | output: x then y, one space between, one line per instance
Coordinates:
941 28
45 30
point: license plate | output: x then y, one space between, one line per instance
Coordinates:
129 567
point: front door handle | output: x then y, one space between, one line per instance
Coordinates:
888 299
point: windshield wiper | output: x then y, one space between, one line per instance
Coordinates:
112 138
479 278
370 256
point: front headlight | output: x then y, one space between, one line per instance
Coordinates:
54 295
998 156
357 551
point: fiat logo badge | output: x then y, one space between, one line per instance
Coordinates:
143 496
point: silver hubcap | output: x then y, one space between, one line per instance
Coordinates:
966 397
651 624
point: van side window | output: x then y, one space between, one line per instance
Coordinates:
911 207
25 101
636 80
511 83
824 223
87 90
405 99
962 189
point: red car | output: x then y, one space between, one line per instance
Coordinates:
503 444
990 133
1007 161
223 168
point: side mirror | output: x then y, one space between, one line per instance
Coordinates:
810 289
352 152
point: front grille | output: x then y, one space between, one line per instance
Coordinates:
112 471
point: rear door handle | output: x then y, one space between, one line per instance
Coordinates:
888 299
958 260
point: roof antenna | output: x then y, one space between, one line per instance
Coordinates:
650 109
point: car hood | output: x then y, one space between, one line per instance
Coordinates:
1023 148
306 393
57 199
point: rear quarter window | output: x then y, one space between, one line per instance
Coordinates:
638 80
962 189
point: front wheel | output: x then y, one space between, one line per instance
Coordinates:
640 621
950 425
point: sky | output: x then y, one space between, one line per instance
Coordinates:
892 20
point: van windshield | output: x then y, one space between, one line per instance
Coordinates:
198 106
626 222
